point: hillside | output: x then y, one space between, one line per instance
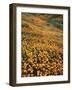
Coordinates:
42 45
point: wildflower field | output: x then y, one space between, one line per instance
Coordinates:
41 45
